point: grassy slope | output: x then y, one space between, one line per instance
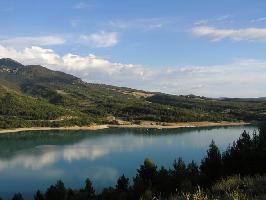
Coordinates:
231 188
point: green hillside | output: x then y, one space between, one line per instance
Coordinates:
36 96
18 110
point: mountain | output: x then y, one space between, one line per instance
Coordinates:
258 99
4 62
32 95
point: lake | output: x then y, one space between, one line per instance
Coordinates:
35 160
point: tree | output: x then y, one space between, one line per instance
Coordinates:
17 196
122 184
163 182
192 169
56 192
178 173
88 189
211 165
38 196
192 173
145 178
147 171
179 167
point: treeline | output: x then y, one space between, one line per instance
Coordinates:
12 104
227 109
15 122
246 156
19 111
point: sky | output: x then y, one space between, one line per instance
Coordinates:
209 48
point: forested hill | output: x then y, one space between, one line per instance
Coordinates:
33 95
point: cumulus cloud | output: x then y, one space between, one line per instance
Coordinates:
214 34
33 41
90 68
241 78
101 39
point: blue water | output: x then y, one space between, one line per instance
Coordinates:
35 160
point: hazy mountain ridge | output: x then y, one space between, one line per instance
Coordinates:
76 102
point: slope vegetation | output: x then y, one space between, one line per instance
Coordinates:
36 96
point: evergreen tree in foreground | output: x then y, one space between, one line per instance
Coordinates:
211 165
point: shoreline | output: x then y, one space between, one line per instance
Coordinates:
149 125
181 125
71 128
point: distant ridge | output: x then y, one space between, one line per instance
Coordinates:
255 99
8 62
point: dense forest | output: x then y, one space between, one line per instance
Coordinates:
36 96
237 174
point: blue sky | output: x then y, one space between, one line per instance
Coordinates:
207 47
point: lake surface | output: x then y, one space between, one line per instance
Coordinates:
35 160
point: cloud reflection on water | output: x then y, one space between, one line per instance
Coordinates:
47 155
93 148
35 161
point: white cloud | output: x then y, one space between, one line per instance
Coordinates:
215 20
91 67
223 18
201 22
214 34
82 5
101 39
75 22
145 24
242 78
32 41
261 19
32 55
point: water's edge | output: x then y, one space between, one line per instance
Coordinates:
144 126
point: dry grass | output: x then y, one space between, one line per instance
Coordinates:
231 188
